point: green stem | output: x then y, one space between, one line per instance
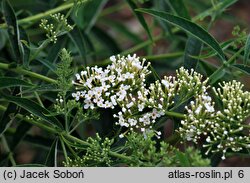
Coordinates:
19 70
74 139
39 16
66 112
69 147
164 56
64 151
65 134
10 155
175 114
226 64
47 41
142 45
39 49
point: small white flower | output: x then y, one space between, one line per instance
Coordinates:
198 110
165 83
140 107
112 58
121 136
88 104
89 82
209 107
78 77
130 105
83 73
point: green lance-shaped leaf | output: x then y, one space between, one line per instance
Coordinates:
243 68
34 109
106 40
86 15
52 154
19 134
179 8
247 50
141 19
7 117
13 29
190 27
6 82
77 38
24 45
163 6
193 48
218 74
3 38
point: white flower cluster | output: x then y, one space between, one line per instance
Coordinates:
190 84
123 84
233 132
157 99
225 129
54 29
106 88
199 118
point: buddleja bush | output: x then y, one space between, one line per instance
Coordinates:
115 112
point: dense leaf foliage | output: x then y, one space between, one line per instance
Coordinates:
74 90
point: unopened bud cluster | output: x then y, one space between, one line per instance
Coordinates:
54 28
225 129
97 153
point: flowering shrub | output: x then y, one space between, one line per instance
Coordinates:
126 88
184 103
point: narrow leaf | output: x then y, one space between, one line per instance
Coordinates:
106 40
20 133
86 15
24 45
243 68
77 38
218 74
141 19
13 29
122 29
163 6
89 45
34 109
56 48
212 53
180 8
50 159
193 48
3 38
6 119
188 26
9 113
247 50
48 65
6 82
